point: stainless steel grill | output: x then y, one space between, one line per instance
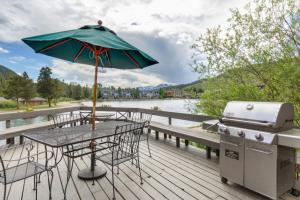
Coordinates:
249 150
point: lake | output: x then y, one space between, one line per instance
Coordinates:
176 105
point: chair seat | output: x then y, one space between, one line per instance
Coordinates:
117 159
21 172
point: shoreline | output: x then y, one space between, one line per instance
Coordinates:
105 100
82 102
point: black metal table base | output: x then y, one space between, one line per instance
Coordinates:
87 174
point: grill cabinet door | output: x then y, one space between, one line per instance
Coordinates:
261 168
232 158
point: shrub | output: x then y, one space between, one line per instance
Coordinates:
8 104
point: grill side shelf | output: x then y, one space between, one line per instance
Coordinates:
289 138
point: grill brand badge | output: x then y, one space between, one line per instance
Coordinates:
232 154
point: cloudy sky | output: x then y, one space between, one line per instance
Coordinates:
165 29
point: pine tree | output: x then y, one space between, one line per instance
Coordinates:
28 88
45 85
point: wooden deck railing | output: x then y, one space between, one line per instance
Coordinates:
10 133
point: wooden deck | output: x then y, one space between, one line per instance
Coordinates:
171 173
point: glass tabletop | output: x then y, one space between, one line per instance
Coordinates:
60 137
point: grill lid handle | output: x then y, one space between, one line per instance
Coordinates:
266 124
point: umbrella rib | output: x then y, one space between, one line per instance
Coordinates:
107 57
132 59
79 53
55 44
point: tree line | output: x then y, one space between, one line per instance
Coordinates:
51 89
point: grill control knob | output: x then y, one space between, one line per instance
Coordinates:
259 137
224 130
241 133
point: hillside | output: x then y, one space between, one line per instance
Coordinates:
192 89
5 73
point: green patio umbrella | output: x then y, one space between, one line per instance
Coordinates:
89 45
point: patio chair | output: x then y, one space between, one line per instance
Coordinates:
142 117
65 120
26 167
123 147
85 117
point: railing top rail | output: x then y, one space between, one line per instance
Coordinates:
51 111
175 115
42 112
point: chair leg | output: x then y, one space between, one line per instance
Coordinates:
50 181
138 161
148 145
4 192
118 169
113 182
39 180
69 174
36 189
34 181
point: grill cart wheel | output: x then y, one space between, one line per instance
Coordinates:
224 180
295 192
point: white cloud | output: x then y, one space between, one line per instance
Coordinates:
166 18
164 29
84 74
2 50
16 59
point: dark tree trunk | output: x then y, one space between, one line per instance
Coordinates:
18 107
49 102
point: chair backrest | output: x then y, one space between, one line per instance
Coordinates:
64 120
126 140
139 117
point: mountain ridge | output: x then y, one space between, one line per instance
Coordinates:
5 74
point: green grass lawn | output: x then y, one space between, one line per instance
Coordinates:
11 106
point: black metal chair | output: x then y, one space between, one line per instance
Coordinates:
66 120
85 117
26 167
123 147
142 117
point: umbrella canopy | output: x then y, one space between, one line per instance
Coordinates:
89 45
80 46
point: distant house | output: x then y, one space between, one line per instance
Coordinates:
176 93
152 94
35 101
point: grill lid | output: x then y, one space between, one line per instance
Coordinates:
270 114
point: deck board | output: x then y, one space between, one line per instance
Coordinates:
171 173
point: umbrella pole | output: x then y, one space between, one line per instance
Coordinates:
93 172
95 91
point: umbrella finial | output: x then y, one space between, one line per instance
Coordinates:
100 22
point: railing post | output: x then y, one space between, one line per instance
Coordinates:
217 152
208 152
170 123
21 139
156 135
9 140
177 142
